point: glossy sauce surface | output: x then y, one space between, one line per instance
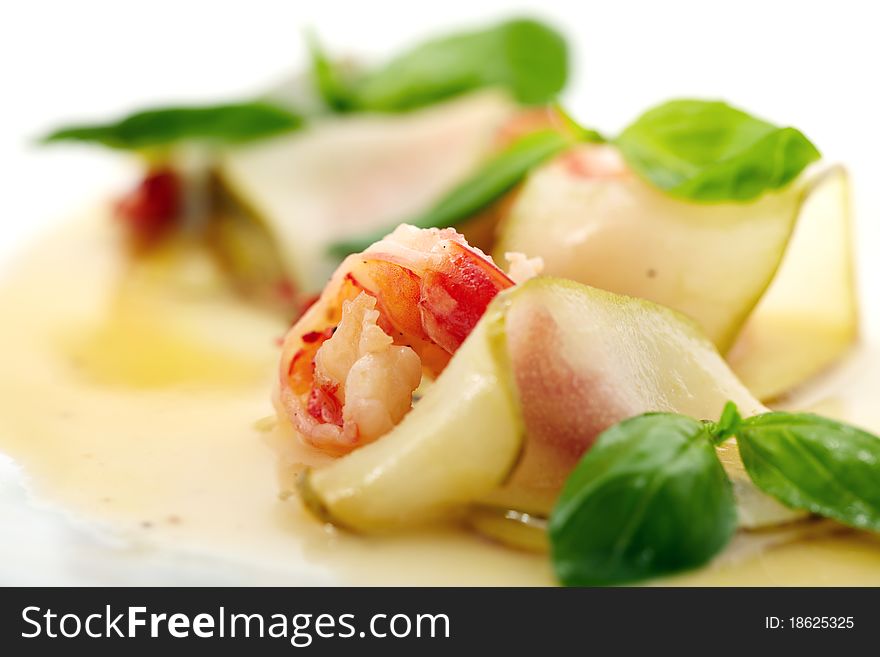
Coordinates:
136 399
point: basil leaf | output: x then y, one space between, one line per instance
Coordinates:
330 82
728 424
579 132
231 123
649 498
490 182
813 463
709 151
526 57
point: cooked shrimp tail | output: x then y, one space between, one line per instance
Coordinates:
388 315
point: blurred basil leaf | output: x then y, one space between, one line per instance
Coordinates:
487 184
524 56
332 84
223 124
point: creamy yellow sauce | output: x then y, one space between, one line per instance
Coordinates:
137 399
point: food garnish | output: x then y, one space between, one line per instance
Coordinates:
494 178
651 497
699 151
709 152
164 127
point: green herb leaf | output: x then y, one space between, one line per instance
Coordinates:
727 424
813 463
487 184
650 498
331 83
709 151
226 124
579 132
526 57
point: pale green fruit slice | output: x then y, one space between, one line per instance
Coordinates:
457 444
594 221
584 359
513 528
809 316
559 361
357 173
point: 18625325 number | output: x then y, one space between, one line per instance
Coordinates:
821 622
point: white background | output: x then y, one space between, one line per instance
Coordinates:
808 64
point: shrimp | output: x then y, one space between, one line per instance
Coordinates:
401 308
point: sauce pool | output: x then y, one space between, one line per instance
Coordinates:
136 400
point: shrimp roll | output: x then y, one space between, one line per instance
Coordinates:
401 308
